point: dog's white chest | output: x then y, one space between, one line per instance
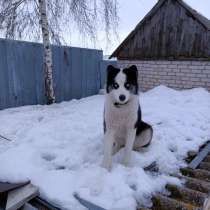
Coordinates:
121 118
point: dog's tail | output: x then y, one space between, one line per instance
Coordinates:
144 135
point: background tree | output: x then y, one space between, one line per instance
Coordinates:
48 20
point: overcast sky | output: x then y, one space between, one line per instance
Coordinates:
131 12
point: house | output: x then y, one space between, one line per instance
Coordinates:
170 46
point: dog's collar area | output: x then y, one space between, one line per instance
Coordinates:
118 105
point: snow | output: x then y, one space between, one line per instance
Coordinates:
59 147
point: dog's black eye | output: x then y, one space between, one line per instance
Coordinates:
115 85
127 85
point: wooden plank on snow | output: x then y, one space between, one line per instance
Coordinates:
201 155
18 197
88 204
28 206
42 204
3 200
207 204
4 186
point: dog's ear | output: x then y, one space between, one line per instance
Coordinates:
133 68
133 71
111 72
132 76
110 68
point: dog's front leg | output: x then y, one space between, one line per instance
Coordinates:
130 138
108 147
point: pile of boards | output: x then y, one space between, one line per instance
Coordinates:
15 196
23 196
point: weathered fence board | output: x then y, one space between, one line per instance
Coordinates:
77 73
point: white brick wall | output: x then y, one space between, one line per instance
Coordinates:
174 74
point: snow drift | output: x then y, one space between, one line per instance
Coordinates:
59 147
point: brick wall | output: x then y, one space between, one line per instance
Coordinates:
174 74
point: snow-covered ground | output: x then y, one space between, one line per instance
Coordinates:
59 147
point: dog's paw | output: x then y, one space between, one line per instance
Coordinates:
106 165
126 162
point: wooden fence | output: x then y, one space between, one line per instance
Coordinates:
77 73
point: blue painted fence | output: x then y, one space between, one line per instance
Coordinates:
77 73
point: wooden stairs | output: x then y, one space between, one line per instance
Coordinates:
194 194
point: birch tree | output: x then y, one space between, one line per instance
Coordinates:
48 21
49 91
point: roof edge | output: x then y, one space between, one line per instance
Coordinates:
199 17
149 14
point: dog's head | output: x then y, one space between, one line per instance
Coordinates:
122 84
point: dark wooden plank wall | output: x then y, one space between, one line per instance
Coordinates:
172 33
77 73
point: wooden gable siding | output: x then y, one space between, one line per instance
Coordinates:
172 32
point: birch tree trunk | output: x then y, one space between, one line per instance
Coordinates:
48 74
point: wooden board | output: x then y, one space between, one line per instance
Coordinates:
200 156
5 186
87 204
3 200
42 204
28 206
18 197
207 204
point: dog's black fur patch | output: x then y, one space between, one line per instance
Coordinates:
141 125
132 77
104 125
111 74
138 122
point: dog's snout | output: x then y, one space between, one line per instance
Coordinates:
122 97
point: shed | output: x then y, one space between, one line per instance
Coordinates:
170 46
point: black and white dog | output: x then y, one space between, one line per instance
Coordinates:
123 126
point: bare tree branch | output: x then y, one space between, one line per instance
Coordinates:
20 18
